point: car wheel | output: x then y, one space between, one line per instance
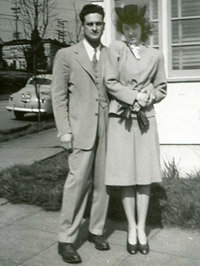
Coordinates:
19 115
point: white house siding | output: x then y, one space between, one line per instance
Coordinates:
179 114
178 117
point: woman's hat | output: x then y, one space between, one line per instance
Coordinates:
130 14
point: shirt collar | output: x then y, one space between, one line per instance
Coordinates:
136 49
90 49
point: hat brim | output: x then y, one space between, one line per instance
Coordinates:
130 15
119 11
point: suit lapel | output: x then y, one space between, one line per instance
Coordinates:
102 60
83 59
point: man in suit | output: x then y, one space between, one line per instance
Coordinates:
80 106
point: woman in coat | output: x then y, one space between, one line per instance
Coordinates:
135 80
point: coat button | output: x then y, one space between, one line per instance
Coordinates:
96 114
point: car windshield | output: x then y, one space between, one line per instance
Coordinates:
40 81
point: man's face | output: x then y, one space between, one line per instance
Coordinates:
93 27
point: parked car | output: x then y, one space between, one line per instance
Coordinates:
25 100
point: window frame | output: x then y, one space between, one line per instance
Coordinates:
173 75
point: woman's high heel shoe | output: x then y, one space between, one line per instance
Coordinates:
143 249
132 249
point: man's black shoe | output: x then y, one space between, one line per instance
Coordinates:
68 253
99 241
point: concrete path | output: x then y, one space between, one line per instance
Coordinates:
29 148
28 235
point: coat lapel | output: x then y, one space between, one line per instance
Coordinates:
102 60
83 59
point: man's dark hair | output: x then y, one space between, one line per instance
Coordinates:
90 8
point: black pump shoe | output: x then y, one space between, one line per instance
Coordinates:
132 249
143 249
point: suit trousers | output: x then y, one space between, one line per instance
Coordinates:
86 171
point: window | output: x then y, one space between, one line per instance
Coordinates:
184 21
185 26
176 31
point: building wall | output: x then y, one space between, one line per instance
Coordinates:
14 55
179 114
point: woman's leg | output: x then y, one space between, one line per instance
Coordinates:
143 195
128 201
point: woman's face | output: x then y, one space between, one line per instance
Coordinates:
132 33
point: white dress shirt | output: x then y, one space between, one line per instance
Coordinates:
90 50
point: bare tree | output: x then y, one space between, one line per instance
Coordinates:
35 17
73 27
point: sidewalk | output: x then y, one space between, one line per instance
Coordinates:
28 235
29 148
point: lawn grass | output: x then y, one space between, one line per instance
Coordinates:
174 202
39 184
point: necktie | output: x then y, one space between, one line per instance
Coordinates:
136 49
94 59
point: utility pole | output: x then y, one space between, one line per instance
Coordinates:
16 11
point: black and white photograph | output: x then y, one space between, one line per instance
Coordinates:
100 132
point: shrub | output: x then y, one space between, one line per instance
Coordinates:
182 204
175 202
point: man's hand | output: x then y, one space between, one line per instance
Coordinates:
66 141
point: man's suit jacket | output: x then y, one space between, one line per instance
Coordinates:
75 94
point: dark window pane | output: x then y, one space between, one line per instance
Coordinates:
191 30
187 57
154 9
40 81
175 32
186 31
174 8
155 33
190 8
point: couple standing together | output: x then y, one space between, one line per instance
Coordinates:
103 106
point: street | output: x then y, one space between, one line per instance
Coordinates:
9 122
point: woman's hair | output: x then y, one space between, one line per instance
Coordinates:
145 25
